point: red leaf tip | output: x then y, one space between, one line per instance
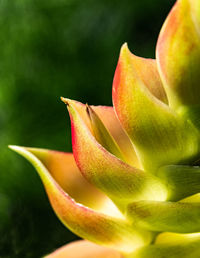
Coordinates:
65 100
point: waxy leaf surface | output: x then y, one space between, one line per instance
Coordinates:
182 181
189 249
178 217
102 135
121 182
160 136
178 54
83 221
63 169
107 115
84 249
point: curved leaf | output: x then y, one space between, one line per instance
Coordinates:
182 181
83 221
84 249
121 182
111 122
146 70
188 249
169 238
179 217
63 169
102 135
160 136
178 54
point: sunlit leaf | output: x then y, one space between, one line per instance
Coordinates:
178 54
121 182
84 249
160 136
87 223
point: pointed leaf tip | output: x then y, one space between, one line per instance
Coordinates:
144 69
121 182
102 134
159 135
67 101
108 117
83 221
62 167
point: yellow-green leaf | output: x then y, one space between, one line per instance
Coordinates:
87 223
160 136
178 54
121 182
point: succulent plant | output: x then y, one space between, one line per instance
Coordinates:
131 188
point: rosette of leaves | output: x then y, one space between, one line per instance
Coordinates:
131 188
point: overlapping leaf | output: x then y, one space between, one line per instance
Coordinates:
187 249
121 182
102 135
178 54
182 181
107 116
178 217
84 249
160 136
87 223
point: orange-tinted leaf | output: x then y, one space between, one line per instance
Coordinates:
84 249
111 122
102 135
160 136
178 54
63 169
121 182
146 70
87 223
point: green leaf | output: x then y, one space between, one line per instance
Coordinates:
178 54
102 135
160 136
178 217
87 223
120 181
187 249
182 181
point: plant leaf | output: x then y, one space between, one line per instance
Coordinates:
178 217
169 238
178 54
160 136
121 182
84 249
146 70
182 181
63 169
95 226
102 135
111 122
186 249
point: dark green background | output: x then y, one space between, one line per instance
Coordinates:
48 49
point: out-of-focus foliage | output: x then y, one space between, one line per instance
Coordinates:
50 49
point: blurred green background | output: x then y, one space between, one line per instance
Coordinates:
48 49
